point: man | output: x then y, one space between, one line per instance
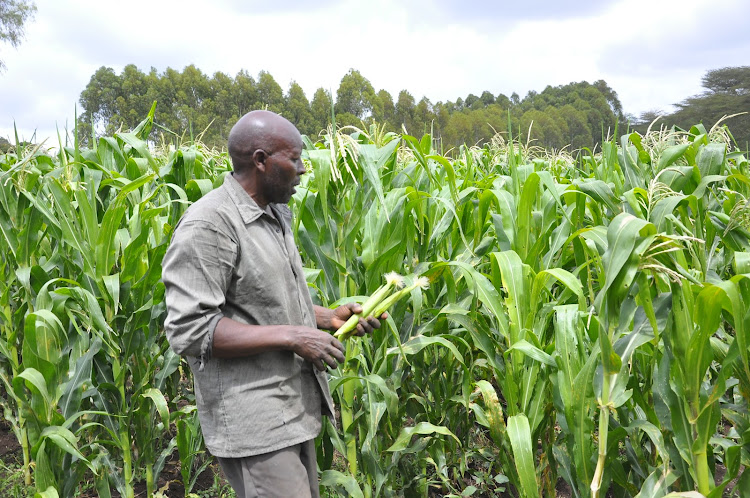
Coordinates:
238 308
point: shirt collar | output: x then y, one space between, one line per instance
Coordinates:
248 208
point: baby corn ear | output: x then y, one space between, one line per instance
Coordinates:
392 280
419 283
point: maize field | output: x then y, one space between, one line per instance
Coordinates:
586 326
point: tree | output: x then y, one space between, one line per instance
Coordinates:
487 98
543 128
269 93
99 102
193 93
457 131
221 107
503 101
405 110
611 96
442 119
13 15
297 110
355 96
244 93
577 114
320 107
385 111
496 118
480 128
579 131
727 94
423 116
728 80
133 103
167 89
649 116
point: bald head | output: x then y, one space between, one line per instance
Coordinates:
255 130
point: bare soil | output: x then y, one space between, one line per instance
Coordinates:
8 443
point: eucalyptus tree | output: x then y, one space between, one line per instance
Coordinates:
14 14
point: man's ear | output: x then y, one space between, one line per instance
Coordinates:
259 159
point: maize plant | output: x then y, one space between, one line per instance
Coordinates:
90 385
585 325
545 349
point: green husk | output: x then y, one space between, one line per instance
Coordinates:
346 330
382 304
397 296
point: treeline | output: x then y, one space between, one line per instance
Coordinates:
191 102
727 93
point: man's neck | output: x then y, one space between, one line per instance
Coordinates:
249 184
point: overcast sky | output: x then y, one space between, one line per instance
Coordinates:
653 53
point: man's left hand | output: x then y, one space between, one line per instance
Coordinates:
338 316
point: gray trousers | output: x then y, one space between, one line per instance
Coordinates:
289 472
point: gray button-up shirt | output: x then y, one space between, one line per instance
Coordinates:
229 258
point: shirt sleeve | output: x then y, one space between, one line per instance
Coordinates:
197 270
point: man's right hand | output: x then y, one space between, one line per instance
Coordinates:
233 339
319 348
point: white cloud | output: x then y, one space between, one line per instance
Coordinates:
651 52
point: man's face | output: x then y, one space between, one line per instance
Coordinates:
284 167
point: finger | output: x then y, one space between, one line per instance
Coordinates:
319 365
368 325
361 330
355 308
337 344
338 356
330 361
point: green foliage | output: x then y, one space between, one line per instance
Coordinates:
192 104
13 15
586 320
298 109
355 96
91 387
553 305
320 108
